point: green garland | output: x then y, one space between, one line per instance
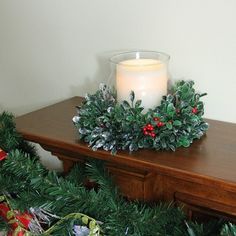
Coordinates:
27 184
104 123
10 139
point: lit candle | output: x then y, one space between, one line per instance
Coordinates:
146 77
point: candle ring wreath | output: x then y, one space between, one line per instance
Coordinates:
104 123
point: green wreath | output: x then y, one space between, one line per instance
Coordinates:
104 123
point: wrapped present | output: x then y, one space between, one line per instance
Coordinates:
19 222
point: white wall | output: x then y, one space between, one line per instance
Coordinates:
54 49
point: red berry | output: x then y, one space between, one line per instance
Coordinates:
153 135
156 118
160 124
149 127
177 111
194 110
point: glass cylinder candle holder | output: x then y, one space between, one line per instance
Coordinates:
144 72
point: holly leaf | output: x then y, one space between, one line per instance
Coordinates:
169 125
185 88
125 104
185 142
169 98
177 123
172 147
138 103
133 147
131 96
170 109
163 143
130 118
140 144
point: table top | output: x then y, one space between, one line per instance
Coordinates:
212 159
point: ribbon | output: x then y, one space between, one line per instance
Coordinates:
3 155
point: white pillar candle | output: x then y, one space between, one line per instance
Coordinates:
146 77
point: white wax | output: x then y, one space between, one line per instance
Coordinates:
146 77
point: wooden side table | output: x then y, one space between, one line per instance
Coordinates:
202 177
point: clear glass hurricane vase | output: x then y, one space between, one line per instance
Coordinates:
144 72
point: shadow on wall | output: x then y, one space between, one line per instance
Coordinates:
104 74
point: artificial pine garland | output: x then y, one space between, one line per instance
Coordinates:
104 123
32 190
10 139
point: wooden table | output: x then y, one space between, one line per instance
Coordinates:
202 177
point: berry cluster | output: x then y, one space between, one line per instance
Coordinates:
159 123
148 130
